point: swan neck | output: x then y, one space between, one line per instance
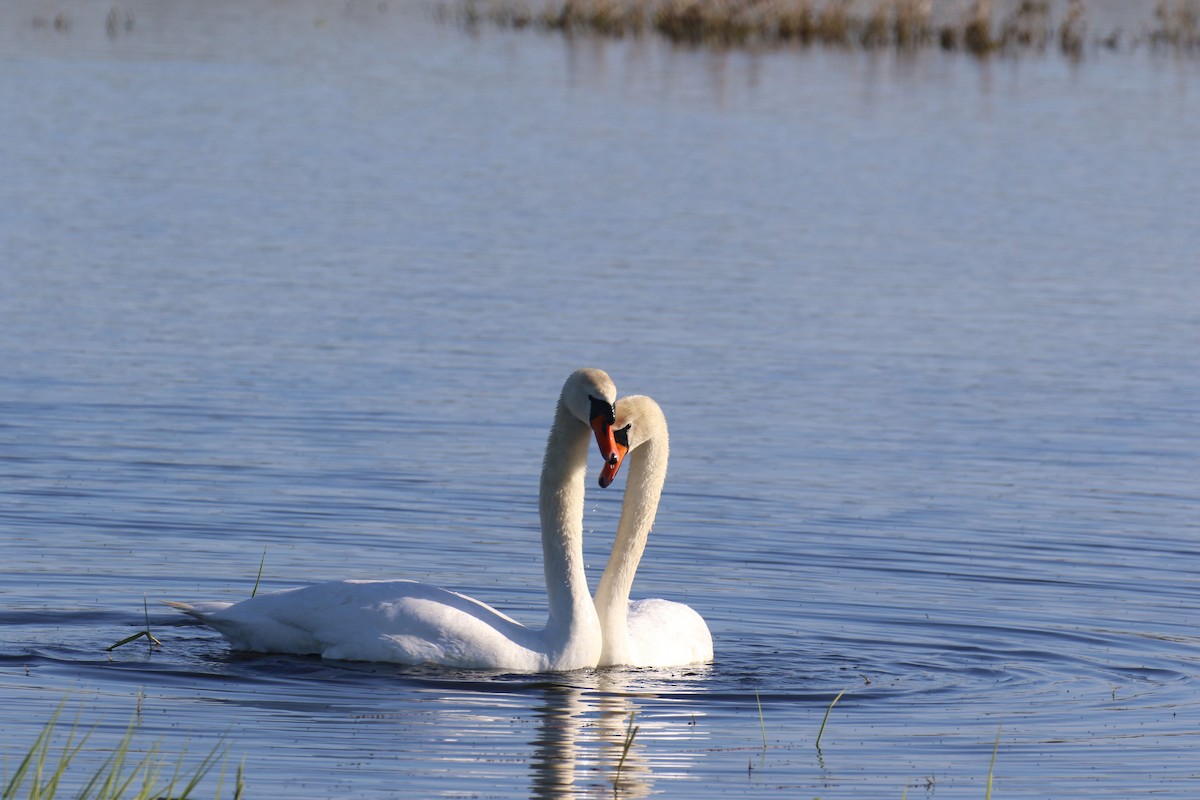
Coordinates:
647 472
572 623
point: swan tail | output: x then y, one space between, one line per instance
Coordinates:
201 611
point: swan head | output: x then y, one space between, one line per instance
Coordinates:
591 396
638 420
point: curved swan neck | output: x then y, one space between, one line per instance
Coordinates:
647 463
572 620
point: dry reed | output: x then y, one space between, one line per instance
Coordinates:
979 29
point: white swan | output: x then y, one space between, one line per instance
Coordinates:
643 633
414 623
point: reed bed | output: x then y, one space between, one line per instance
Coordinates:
978 27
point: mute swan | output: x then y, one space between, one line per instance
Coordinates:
415 623
643 633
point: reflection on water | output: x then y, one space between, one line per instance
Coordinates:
601 740
554 762
560 768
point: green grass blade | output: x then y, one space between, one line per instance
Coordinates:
821 732
762 723
261 564
39 777
992 767
150 636
69 750
109 773
169 789
125 641
152 639
630 733
31 757
239 789
206 765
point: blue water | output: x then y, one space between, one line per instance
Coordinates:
306 278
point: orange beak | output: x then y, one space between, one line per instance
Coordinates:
602 425
609 472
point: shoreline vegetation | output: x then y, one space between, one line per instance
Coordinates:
974 26
127 772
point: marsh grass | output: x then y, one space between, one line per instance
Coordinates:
832 703
1176 25
992 766
608 17
631 732
261 564
43 771
761 721
151 640
976 27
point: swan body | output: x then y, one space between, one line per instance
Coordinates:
643 633
408 622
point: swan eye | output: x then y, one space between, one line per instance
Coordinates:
603 408
622 435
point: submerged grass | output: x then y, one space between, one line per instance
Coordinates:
43 771
975 27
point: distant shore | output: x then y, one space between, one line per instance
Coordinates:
979 27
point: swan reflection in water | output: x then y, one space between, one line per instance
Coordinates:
580 746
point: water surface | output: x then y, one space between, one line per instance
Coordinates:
307 278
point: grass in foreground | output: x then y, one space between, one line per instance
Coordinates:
992 766
43 771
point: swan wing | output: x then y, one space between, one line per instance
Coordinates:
400 621
663 633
